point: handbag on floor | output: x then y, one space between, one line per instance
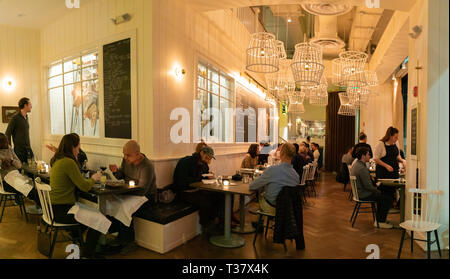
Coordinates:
43 242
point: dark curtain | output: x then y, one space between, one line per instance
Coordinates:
340 133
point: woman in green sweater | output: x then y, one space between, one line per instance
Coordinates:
65 176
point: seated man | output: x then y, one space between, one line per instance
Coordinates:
300 160
366 190
190 169
275 178
137 167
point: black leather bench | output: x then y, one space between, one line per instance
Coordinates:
165 213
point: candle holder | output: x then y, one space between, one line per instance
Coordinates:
131 183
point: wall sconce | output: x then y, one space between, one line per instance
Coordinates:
8 84
178 72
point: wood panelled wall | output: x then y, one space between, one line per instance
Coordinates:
19 59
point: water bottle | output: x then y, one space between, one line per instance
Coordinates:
29 158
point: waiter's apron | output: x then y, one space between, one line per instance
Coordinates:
390 159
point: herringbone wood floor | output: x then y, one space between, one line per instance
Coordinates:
327 230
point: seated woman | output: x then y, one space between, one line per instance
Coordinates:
65 177
82 157
10 162
251 158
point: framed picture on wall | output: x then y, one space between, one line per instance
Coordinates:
7 113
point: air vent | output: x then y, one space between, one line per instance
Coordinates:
327 7
328 43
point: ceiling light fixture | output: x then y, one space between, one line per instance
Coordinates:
262 53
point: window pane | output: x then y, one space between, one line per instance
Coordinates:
90 59
202 71
213 133
214 76
90 73
202 83
72 65
72 77
224 82
55 70
214 88
226 123
225 93
202 96
90 107
55 82
57 111
73 105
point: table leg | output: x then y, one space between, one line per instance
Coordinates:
402 204
227 240
243 227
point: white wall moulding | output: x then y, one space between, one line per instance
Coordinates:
262 53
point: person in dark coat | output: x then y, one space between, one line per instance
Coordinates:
190 169
289 217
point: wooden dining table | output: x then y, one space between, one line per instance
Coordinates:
399 184
228 240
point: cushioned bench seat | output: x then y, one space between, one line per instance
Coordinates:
165 213
163 227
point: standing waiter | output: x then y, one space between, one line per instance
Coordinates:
19 129
387 157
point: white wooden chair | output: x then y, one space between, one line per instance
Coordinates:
425 210
5 196
350 195
359 202
310 180
302 185
47 216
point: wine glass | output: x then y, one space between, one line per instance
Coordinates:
103 182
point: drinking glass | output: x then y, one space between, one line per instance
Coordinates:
103 182
219 180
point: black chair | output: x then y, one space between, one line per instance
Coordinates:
359 202
346 175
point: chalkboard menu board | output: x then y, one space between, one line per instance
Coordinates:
414 131
117 89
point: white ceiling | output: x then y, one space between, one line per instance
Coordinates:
32 13
207 5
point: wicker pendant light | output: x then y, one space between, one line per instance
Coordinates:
262 54
346 108
297 108
353 62
307 67
281 50
337 72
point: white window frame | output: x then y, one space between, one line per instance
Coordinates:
81 81
101 145
209 82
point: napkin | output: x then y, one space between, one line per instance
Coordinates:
19 182
90 217
122 207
